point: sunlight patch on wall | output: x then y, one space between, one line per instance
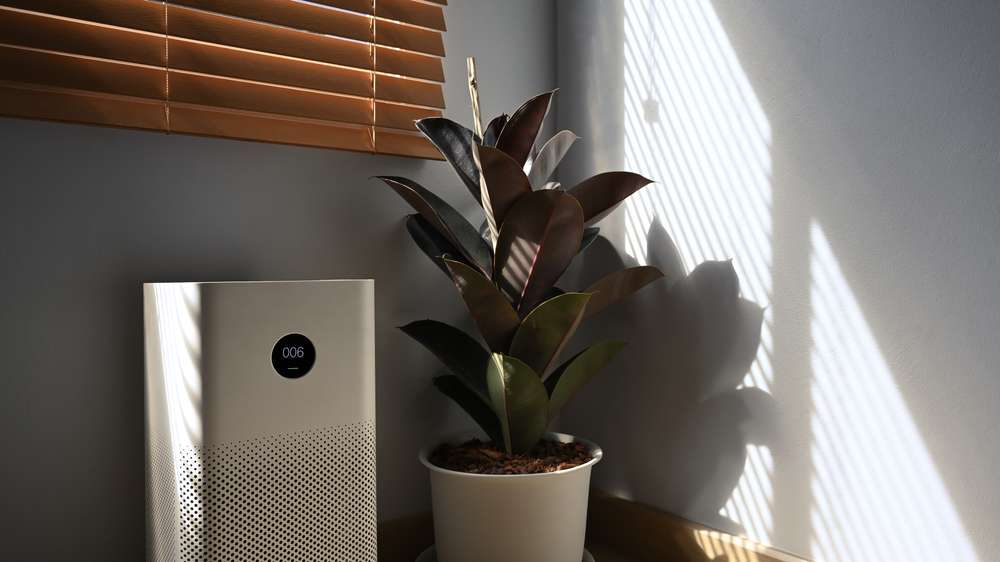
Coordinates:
876 492
694 125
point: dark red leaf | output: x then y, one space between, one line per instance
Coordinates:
520 132
494 317
492 132
538 240
598 195
505 181
455 142
448 222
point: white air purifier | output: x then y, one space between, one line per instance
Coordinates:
260 421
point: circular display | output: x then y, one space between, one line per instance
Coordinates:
293 355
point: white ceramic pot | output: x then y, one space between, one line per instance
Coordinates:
500 518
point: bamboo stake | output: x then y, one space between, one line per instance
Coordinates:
477 121
484 193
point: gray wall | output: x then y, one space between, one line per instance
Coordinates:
846 156
90 213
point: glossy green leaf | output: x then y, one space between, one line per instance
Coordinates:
448 222
519 400
492 132
494 317
519 134
462 355
479 410
572 375
455 142
553 292
538 239
589 235
618 285
430 241
544 332
549 157
503 183
600 194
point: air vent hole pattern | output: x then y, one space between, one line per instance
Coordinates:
305 496
161 502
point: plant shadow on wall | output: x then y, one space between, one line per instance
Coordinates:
849 476
691 418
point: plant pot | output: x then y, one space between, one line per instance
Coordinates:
523 517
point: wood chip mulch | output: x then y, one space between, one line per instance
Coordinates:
481 457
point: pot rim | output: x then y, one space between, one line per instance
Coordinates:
592 448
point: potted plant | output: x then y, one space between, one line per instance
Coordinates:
520 493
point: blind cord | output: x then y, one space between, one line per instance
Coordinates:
374 80
166 62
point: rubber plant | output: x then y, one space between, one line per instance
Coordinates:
512 383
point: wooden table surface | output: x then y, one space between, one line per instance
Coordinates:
617 531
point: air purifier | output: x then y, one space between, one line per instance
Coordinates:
260 421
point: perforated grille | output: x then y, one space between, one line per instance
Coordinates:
161 501
306 496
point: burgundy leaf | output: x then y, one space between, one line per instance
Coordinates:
491 312
538 239
549 157
455 142
598 195
492 132
431 241
505 183
448 222
520 132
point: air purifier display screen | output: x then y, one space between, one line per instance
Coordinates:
293 355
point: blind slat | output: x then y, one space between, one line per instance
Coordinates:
411 11
133 14
360 6
292 14
269 128
41 31
80 73
406 90
415 12
396 116
344 74
222 30
265 98
408 37
206 58
81 107
406 63
390 141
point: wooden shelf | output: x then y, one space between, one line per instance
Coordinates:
617 531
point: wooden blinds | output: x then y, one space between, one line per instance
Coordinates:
345 74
